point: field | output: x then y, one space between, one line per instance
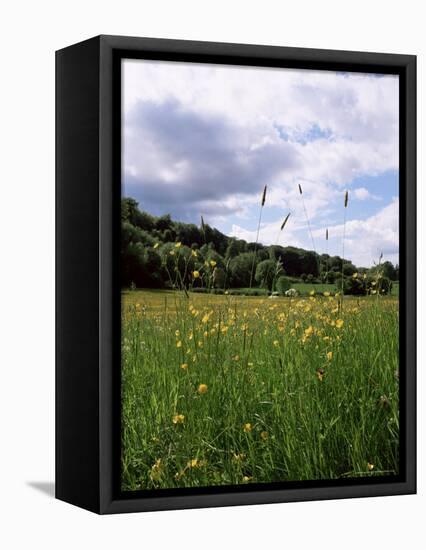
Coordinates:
220 390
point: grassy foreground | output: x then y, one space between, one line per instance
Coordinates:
231 390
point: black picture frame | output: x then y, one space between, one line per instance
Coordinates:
88 179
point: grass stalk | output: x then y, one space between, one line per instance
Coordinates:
262 204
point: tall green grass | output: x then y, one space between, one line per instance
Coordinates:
295 389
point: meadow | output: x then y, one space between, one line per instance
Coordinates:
225 390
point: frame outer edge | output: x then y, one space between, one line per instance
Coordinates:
411 275
107 502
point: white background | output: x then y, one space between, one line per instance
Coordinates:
30 32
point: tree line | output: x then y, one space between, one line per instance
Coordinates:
158 252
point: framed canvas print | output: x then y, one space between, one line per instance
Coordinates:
235 283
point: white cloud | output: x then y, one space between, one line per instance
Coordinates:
269 234
366 239
362 194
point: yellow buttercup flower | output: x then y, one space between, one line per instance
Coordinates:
156 470
239 457
184 366
329 355
370 466
178 245
339 323
172 252
178 419
355 275
247 427
202 388
276 343
196 274
326 293
194 253
212 263
309 331
320 374
178 344
156 245
264 435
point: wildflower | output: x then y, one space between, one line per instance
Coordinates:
212 263
370 466
309 331
247 478
156 470
194 254
276 343
205 319
312 293
156 245
184 366
196 274
172 252
355 276
326 293
373 292
247 427
329 355
177 332
202 388
178 344
264 435
178 419
236 358
239 457
339 323
178 245
320 374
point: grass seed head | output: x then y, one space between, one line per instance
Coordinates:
285 221
264 195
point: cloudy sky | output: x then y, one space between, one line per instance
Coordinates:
205 139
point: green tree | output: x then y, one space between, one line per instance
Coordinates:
283 284
239 269
219 277
266 273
